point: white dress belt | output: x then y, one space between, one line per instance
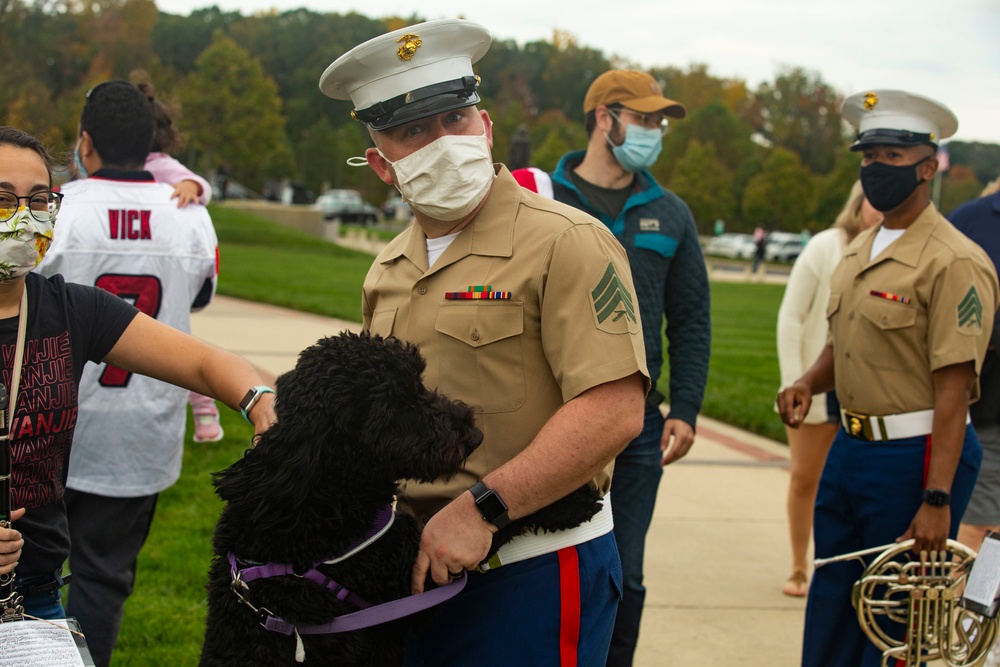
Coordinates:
530 545
889 427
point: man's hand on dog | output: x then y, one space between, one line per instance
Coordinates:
455 539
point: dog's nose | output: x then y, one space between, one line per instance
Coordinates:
476 439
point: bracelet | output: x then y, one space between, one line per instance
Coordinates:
251 398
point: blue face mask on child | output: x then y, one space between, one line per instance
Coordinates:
639 150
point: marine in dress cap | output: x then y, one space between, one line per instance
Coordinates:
896 117
411 73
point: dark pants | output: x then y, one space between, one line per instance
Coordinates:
553 609
868 496
40 595
106 535
634 485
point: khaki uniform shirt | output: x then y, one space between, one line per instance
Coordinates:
925 302
571 321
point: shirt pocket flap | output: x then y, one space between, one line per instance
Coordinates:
382 322
888 315
481 324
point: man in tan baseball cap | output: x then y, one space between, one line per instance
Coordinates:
633 90
626 117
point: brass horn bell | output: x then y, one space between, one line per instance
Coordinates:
923 594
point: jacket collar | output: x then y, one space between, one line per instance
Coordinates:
489 234
906 249
644 190
108 174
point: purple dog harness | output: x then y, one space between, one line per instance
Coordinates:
368 614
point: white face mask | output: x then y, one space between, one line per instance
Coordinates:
448 178
23 242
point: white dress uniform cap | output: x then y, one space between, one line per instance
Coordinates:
411 73
897 117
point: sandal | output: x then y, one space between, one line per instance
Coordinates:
797 585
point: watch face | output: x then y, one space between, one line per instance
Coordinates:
490 505
247 398
936 497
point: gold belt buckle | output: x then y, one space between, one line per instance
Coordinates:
858 425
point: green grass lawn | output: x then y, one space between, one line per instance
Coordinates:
263 261
164 621
165 617
743 373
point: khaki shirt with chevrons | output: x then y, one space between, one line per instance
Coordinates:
516 361
885 349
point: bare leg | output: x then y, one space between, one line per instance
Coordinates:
808 446
972 535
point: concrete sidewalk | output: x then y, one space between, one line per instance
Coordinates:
717 552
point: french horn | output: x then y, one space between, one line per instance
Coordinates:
922 594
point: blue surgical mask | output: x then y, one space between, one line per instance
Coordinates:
78 163
639 150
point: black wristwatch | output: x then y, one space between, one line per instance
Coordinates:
490 505
936 497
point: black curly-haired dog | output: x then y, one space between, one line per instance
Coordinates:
353 418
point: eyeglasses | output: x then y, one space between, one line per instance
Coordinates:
650 121
42 205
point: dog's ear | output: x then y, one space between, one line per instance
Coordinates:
277 481
329 381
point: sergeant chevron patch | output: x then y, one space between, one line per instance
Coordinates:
614 309
970 311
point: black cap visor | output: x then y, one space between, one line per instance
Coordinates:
891 138
421 103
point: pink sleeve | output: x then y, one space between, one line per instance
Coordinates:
166 169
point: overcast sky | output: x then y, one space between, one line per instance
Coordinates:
945 49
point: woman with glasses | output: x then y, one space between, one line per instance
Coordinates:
49 330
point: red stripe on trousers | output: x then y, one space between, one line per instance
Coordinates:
569 606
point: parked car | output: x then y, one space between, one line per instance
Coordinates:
733 246
348 206
783 249
395 208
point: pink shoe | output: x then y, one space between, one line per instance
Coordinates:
206 424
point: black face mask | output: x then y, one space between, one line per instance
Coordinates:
886 186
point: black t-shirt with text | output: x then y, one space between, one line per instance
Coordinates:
67 325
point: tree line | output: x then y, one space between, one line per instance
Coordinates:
247 96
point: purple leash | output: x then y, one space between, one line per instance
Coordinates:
376 615
368 614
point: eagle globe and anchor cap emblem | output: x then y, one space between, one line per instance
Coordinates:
408 45
871 99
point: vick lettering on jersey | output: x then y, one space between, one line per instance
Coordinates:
129 225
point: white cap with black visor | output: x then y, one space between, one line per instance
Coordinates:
412 73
